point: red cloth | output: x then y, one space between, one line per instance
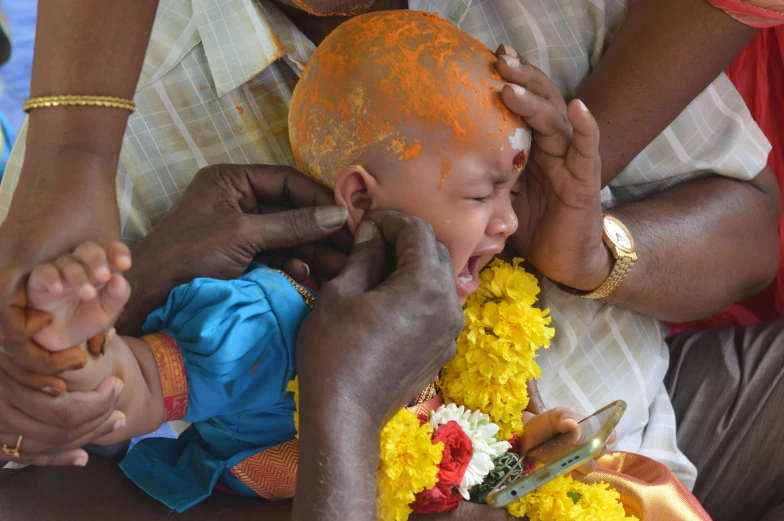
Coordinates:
758 74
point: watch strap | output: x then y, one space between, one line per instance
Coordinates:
621 268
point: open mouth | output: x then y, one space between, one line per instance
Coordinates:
468 279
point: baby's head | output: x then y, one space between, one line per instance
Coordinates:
400 110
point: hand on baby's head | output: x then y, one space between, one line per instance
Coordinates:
83 291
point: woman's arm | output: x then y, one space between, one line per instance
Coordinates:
82 47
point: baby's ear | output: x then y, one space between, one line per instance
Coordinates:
357 190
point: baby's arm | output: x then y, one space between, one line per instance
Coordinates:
84 298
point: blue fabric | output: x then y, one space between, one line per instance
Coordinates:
164 431
237 341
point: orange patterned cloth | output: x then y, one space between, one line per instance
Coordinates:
648 489
272 473
756 13
171 369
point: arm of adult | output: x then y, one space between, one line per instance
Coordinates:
66 192
692 239
228 215
648 75
371 341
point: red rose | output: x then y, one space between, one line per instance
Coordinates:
441 498
454 462
457 453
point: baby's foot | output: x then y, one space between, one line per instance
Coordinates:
84 292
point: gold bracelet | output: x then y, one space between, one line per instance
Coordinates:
80 101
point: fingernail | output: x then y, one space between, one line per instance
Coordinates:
517 89
307 269
582 106
53 391
509 51
331 216
81 461
76 367
119 386
511 61
365 232
119 424
103 272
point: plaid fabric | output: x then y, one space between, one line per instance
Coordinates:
756 13
215 87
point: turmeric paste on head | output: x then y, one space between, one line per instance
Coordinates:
402 80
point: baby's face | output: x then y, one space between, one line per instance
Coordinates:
469 207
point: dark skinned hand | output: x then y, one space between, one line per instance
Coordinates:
229 215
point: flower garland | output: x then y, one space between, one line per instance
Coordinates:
458 453
496 350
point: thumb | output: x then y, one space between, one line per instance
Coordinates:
293 227
364 268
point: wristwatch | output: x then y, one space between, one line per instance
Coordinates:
619 240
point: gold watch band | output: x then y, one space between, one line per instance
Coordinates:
621 268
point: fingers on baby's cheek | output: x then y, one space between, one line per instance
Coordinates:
119 256
76 276
46 278
94 259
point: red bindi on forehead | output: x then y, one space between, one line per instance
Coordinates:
519 161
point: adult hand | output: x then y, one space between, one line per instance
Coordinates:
54 429
373 340
559 207
50 215
402 324
227 216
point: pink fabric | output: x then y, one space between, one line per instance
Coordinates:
756 13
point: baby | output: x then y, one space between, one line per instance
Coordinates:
395 110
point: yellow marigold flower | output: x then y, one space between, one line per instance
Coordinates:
409 465
564 499
496 351
293 387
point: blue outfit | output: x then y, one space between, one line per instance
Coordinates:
237 341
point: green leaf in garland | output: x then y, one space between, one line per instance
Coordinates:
503 464
574 496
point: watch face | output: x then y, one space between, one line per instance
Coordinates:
618 234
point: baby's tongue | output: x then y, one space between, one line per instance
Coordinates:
470 271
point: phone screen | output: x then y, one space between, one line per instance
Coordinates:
562 444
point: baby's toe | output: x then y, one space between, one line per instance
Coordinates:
114 295
119 256
75 275
45 279
93 257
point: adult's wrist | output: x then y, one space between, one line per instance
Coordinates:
91 136
597 268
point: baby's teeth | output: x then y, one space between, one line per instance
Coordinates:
465 280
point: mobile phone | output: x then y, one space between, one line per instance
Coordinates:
562 453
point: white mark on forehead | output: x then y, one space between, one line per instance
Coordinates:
521 140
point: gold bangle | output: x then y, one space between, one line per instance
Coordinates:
80 101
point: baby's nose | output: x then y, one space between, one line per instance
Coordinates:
504 224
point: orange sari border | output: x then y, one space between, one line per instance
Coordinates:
272 473
171 370
648 489
754 13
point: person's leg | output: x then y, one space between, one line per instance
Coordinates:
727 388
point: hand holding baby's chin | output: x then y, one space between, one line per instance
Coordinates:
83 291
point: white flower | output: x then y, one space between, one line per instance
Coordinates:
482 433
